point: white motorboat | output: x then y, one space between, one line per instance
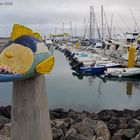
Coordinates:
122 72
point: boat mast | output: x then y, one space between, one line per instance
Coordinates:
75 31
90 30
84 24
102 18
71 29
84 27
92 23
63 27
55 29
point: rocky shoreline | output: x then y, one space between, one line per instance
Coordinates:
72 125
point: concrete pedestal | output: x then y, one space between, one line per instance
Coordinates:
30 113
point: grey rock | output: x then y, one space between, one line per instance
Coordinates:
52 124
68 122
77 137
62 138
122 124
71 121
137 137
6 130
89 122
63 124
101 130
71 132
137 113
61 112
134 124
72 114
106 115
83 129
99 127
59 123
5 111
116 137
94 138
57 133
100 138
2 137
129 133
112 127
128 112
119 132
54 115
3 121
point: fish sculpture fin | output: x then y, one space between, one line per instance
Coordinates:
20 30
46 66
37 36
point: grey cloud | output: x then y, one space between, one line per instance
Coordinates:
45 14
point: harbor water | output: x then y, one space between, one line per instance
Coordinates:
66 89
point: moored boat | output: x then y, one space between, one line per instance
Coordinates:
122 72
92 70
98 67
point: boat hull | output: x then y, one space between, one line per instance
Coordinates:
92 70
123 72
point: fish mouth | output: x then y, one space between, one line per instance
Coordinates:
6 70
7 74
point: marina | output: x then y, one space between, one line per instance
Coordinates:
70 70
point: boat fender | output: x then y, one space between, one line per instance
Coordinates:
120 75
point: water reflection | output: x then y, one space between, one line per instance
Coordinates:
79 76
131 83
68 89
129 88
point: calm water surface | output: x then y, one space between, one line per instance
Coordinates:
90 93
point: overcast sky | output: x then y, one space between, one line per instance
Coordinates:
44 15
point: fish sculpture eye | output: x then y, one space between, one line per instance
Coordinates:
25 56
9 54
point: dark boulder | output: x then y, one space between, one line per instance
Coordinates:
134 124
57 133
77 137
3 121
6 111
129 133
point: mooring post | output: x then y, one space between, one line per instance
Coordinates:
30 112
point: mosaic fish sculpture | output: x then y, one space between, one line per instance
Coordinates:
24 56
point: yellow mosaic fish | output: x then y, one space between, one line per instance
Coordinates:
25 56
